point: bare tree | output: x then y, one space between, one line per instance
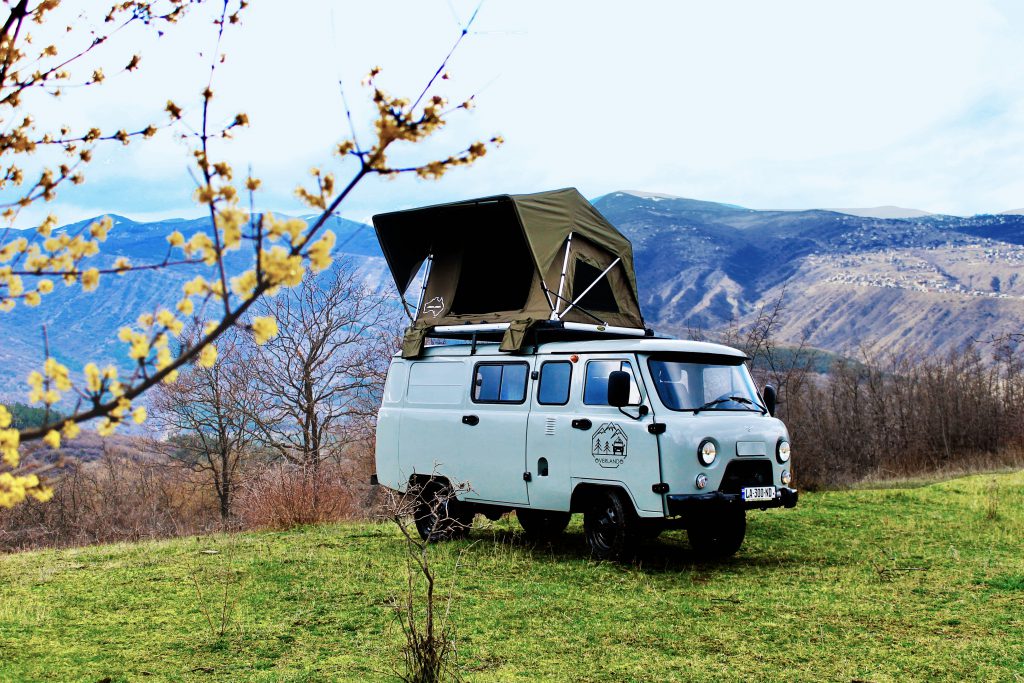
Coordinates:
321 378
208 415
424 516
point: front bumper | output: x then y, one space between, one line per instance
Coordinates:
689 503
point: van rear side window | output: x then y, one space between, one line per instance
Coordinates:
500 382
555 377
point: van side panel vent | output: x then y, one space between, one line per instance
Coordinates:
549 426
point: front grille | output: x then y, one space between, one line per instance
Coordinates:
741 473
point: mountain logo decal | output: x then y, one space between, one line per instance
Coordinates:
610 445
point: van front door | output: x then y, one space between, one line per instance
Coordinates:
548 457
610 444
492 442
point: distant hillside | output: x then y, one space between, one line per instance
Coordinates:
83 326
925 283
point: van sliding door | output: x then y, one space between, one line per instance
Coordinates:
492 433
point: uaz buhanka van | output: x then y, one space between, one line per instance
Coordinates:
556 399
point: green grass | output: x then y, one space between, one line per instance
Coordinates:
877 585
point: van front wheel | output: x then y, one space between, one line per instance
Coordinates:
610 526
542 525
440 516
719 537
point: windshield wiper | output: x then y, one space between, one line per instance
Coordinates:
735 399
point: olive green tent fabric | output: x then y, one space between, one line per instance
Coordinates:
500 259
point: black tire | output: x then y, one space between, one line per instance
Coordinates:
440 516
542 525
610 525
720 536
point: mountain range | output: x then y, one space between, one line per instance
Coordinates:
886 278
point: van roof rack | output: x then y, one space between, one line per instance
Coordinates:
541 331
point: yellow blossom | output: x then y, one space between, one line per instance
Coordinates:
185 307
176 239
208 356
99 229
320 252
35 381
9 440
71 430
52 439
92 377
90 279
58 373
106 427
264 329
163 358
244 284
196 285
139 415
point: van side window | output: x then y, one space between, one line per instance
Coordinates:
595 391
555 377
499 382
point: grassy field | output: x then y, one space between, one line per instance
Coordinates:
922 583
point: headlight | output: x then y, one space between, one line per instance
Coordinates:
702 480
782 451
786 477
707 453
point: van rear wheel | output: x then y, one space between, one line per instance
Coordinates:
440 516
721 536
610 526
542 525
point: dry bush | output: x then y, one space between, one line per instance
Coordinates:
286 495
885 418
121 496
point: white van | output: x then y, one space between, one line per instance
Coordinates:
579 408
637 434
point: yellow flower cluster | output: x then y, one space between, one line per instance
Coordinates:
15 488
48 385
320 252
264 329
108 425
60 254
9 439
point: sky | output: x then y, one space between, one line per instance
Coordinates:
788 104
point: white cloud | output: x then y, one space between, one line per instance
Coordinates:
794 103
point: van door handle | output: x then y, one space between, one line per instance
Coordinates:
582 423
471 420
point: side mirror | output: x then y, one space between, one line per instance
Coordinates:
771 398
618 388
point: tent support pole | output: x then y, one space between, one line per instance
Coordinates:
547 293
555 315
423 289
580 297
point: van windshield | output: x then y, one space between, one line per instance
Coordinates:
702 382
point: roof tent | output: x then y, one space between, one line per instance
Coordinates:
509 262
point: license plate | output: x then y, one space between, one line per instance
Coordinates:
754 494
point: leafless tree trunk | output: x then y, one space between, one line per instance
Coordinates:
320 380
207 417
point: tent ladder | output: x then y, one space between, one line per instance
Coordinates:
596 280
555 315
423 289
